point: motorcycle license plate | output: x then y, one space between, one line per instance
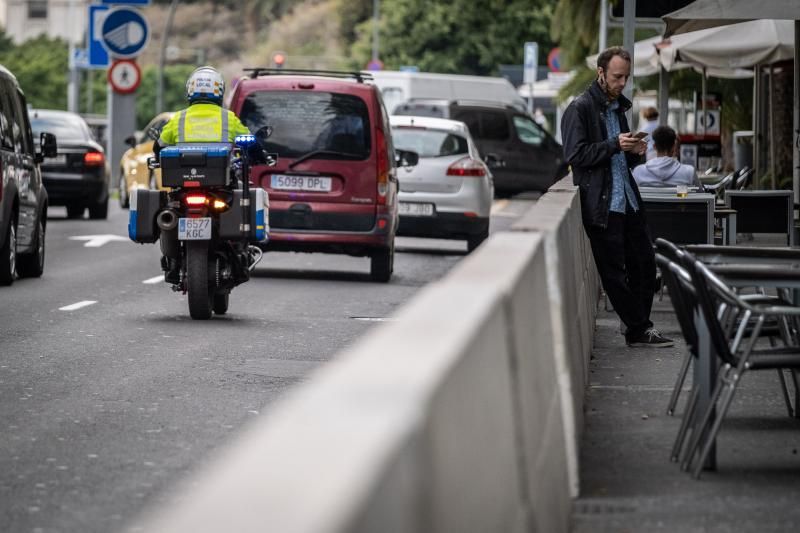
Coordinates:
194 229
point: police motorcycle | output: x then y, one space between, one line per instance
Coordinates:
207 223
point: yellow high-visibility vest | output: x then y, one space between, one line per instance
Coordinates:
202 122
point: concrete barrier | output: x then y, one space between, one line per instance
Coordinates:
459 415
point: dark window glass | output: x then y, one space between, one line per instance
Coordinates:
37 9
17 124
472 121
310 121
494 126
6 142
429 143
64 126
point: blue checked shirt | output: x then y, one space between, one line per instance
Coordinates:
620 185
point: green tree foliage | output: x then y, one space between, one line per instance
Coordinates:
40 65
455 36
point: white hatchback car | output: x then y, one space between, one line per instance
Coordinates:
448 194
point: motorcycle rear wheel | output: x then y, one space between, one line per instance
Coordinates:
198 284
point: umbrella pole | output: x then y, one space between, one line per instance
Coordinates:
771 118
756 123
796 122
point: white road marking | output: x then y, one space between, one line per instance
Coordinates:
372 318
152 281
78 305
95 241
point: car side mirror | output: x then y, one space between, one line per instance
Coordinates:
48 143
494 161
406 158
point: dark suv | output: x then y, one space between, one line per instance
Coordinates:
521 155
334 188
23 200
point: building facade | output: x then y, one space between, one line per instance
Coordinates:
25 19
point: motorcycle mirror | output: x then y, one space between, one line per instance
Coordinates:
264 133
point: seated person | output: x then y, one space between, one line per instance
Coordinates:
664 170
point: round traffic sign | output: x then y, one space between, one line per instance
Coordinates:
375 64
124 76
125 32
554 59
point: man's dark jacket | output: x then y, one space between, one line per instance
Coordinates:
588 150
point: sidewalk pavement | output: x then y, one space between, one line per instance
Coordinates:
628 483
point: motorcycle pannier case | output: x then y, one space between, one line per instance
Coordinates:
145 205
231 223
199 164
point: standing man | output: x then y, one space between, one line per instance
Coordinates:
599 147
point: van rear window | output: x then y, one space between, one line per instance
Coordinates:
304 122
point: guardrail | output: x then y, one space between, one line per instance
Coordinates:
462 414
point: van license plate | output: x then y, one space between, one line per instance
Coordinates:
415 209
283 182
194 229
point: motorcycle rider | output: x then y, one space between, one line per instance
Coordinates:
205 120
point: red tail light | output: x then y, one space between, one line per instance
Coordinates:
383 166
466 166
195 199
94 159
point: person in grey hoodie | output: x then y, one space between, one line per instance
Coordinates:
664 170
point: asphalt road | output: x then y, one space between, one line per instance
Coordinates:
110 393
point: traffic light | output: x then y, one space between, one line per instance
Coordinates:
278 59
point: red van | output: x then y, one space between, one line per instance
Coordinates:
334 188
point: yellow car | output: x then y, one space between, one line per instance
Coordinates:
133 171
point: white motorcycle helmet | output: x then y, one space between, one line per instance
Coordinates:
205 84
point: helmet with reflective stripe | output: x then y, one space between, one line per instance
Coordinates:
205 84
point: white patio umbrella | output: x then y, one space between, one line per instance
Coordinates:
709 13
735 46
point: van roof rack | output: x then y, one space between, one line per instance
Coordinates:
255 72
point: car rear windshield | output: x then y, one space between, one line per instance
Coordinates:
64 127
428 142
304 122
422 110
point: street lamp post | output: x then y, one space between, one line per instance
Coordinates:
162 57
376 6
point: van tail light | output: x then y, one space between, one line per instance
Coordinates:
383 166
94 159
466 166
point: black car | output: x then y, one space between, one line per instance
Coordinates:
23 200
521 155
77 177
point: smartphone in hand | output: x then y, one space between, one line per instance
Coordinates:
639 134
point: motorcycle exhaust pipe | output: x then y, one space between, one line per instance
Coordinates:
167 220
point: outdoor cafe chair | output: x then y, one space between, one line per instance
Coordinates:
718 188
734 326
743 178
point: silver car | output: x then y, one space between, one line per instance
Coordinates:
448 194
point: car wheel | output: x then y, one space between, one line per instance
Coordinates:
382 264
32 265
99 210
8 255
473 241
124 197
75 211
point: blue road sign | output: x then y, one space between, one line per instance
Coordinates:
531 62
125 32
98 55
